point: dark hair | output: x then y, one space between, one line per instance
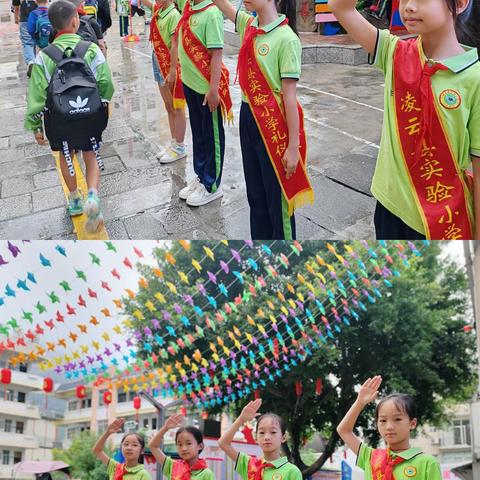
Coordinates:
405 403
467 23
140 438
197 434
289 8
276 417
60 13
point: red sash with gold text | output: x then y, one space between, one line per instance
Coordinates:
441 188
181 470
271 122
162 54
200 57
382 464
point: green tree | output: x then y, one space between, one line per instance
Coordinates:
413 336
79 456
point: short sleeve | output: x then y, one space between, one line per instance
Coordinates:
473 126
433 470
384 50
209 475
241 22
295 474
241 466
112 465
167 467
364 456
290 59
214 29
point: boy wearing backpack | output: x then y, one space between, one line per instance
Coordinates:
71 85
38 24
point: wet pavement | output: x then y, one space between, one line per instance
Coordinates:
343 112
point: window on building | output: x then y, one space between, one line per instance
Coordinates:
145 423
23 367
5 457
73 405
461 432
102 426
122 397
21 397
20 426
9 395
86 403
131 396
7 425
154 423
17 457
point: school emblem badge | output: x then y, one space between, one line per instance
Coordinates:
194 22
276 476
410 471
450 99
263 49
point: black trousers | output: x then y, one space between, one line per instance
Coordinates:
208 140
269 217
389 227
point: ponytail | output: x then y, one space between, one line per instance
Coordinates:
289 8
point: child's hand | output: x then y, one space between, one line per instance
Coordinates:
115 426
212 99
290 160
174 421
40 139
369 390
249 412
170 80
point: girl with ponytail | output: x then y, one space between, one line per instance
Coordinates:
272 136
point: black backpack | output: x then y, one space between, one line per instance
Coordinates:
86 31
74 113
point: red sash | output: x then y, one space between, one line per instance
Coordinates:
181 470
200 57
120 471
162 54
271 122
256 467
441 189
382 464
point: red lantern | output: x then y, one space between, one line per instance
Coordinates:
107 397
137 403
467 328
81 391
298 388
183 411
204 415
47 385
6 376
318 386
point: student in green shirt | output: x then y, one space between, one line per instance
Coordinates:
132 445
395 416
270 434
189 442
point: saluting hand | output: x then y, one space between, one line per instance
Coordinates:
369 390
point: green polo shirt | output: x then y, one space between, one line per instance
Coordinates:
205 474
391 185
167 21
278 51
208 28
135 473
417 465
283 469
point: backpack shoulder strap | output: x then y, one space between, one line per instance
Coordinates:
81 48
53 52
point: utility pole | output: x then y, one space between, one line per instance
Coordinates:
472 260
160 419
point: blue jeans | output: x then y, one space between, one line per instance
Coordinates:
27 43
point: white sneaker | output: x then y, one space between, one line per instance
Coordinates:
173 154
191 187
201 196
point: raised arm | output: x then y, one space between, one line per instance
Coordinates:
368 392
173 422
227 9
354 23
248 413
97 449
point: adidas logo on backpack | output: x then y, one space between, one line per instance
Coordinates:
78 106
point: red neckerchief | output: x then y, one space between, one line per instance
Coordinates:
120 471
256 466
382 464
64 32
181 469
